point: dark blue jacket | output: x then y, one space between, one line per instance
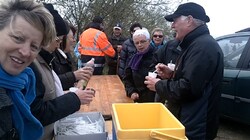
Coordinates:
128 50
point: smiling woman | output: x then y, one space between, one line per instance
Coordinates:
20 45
25 26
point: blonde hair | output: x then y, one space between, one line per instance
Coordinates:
34 13
157 30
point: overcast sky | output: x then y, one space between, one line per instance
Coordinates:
226 16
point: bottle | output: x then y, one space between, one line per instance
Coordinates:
90 63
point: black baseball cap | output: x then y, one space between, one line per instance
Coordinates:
193 9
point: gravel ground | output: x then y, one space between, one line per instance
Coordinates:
231 130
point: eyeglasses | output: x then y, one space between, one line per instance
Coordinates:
141 42
58 39
160 36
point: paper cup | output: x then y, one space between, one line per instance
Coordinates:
73 89
171 66
152 74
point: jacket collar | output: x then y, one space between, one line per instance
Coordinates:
190 37
47 56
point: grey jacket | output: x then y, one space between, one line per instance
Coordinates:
47 107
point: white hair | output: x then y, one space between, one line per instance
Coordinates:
142 31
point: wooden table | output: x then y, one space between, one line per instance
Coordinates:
109 89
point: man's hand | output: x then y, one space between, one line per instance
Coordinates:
163 71
119 48
150 82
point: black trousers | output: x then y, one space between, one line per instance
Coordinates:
98 71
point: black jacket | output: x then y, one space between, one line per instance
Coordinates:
63 68
195 88
134 80
166 54
112 62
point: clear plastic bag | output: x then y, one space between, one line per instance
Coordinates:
79 126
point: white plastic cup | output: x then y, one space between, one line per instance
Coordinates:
73 89
171 66
152 74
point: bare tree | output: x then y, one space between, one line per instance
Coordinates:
149 13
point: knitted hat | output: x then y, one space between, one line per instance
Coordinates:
98 19
61 28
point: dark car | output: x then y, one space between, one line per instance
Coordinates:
235 101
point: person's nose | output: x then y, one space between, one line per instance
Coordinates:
25 50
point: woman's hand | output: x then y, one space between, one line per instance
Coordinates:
84 73
134 96
85 96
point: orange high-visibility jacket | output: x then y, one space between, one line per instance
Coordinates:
94 42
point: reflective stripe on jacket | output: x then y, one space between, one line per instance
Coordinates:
94 42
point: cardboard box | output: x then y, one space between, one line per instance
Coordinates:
145 121
89 117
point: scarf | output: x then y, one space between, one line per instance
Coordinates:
136 59
152 43
27 125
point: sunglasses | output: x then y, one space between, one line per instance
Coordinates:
160 36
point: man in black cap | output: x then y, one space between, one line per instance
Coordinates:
116 40
193 88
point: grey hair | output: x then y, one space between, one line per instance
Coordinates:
199 22
142 31
34 13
